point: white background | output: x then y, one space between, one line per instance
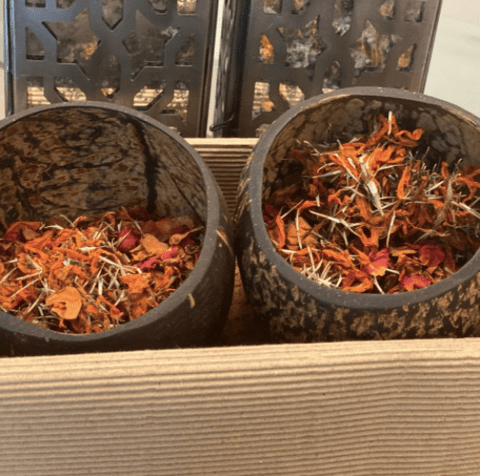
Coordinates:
454 73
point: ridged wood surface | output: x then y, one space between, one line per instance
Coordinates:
226 159
397 408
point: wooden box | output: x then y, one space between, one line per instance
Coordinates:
378 408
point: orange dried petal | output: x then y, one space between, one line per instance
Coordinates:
334 198
152 245
176 238
136 283
139 307
66 303
409 139
25 264
445 171
404 183
79 219
293 234
471 184
16 228
365 282
166 279
368 242
72 253
29 234
363 208
436 203
43 241
63 237
44 258
281 231
307 204
343 259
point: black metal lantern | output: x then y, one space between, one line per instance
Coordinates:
152 55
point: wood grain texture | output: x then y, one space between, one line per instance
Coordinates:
226 159
366 408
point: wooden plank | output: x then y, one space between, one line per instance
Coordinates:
226 159
398 408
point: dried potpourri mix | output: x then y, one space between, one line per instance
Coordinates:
90 276
370 216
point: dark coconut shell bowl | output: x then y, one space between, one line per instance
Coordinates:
295 309
84 159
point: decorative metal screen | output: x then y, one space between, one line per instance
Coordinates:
153 55
296 49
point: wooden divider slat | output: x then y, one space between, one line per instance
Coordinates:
399 408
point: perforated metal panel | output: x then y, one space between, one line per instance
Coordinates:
297 49
154 55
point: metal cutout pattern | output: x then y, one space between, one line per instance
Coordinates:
302 48
153 55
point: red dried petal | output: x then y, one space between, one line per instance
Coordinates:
378 263
171 254
181 230
130 241
149 263
414 281
431 255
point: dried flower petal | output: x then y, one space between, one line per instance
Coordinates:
165 228
172 253
378 263
66 303
414 281
130 239
404 182
373 197
14 231
281 231
431 255
153 246
149 263
97 260
136 282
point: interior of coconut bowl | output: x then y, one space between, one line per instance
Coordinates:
449 134
87 160
386 222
